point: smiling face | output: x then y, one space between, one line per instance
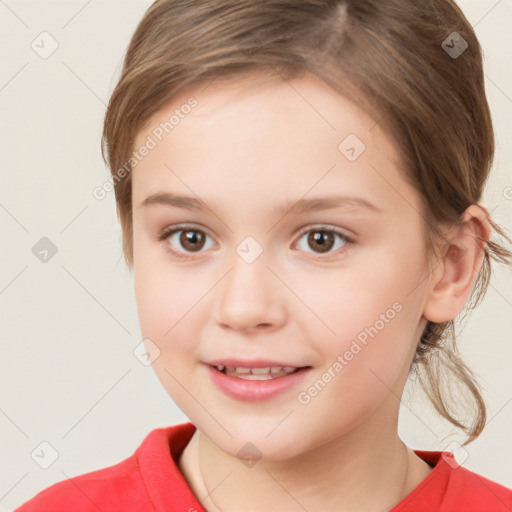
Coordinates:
333 288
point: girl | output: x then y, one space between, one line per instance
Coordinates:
327 159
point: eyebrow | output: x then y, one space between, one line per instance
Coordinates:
295 206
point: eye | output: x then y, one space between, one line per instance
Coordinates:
189 238
323 239
192 240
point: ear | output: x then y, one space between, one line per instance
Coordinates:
457 268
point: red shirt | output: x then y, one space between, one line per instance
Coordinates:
150 481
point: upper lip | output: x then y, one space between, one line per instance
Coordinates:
253 363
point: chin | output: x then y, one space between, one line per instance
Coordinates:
260 440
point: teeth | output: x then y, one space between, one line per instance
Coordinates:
250 376
257 373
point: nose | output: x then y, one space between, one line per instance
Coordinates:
251 297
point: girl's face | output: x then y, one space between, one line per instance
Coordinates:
302 247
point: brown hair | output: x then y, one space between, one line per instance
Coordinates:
388 56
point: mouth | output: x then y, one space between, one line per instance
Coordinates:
256 380
258 373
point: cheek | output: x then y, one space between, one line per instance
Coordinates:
370 315
166 301
169 308
166 296
372 283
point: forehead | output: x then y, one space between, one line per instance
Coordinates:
265 136
304 98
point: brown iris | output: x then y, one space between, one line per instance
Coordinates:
192 240
323 239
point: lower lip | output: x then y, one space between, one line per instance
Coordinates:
255 390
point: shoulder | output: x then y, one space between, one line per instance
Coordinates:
476 492
86 492
451 488
120 487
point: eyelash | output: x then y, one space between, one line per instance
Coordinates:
170 230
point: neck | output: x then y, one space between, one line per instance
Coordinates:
368 469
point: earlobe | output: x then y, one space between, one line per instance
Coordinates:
456 270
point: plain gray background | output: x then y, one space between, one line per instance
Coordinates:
69 325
